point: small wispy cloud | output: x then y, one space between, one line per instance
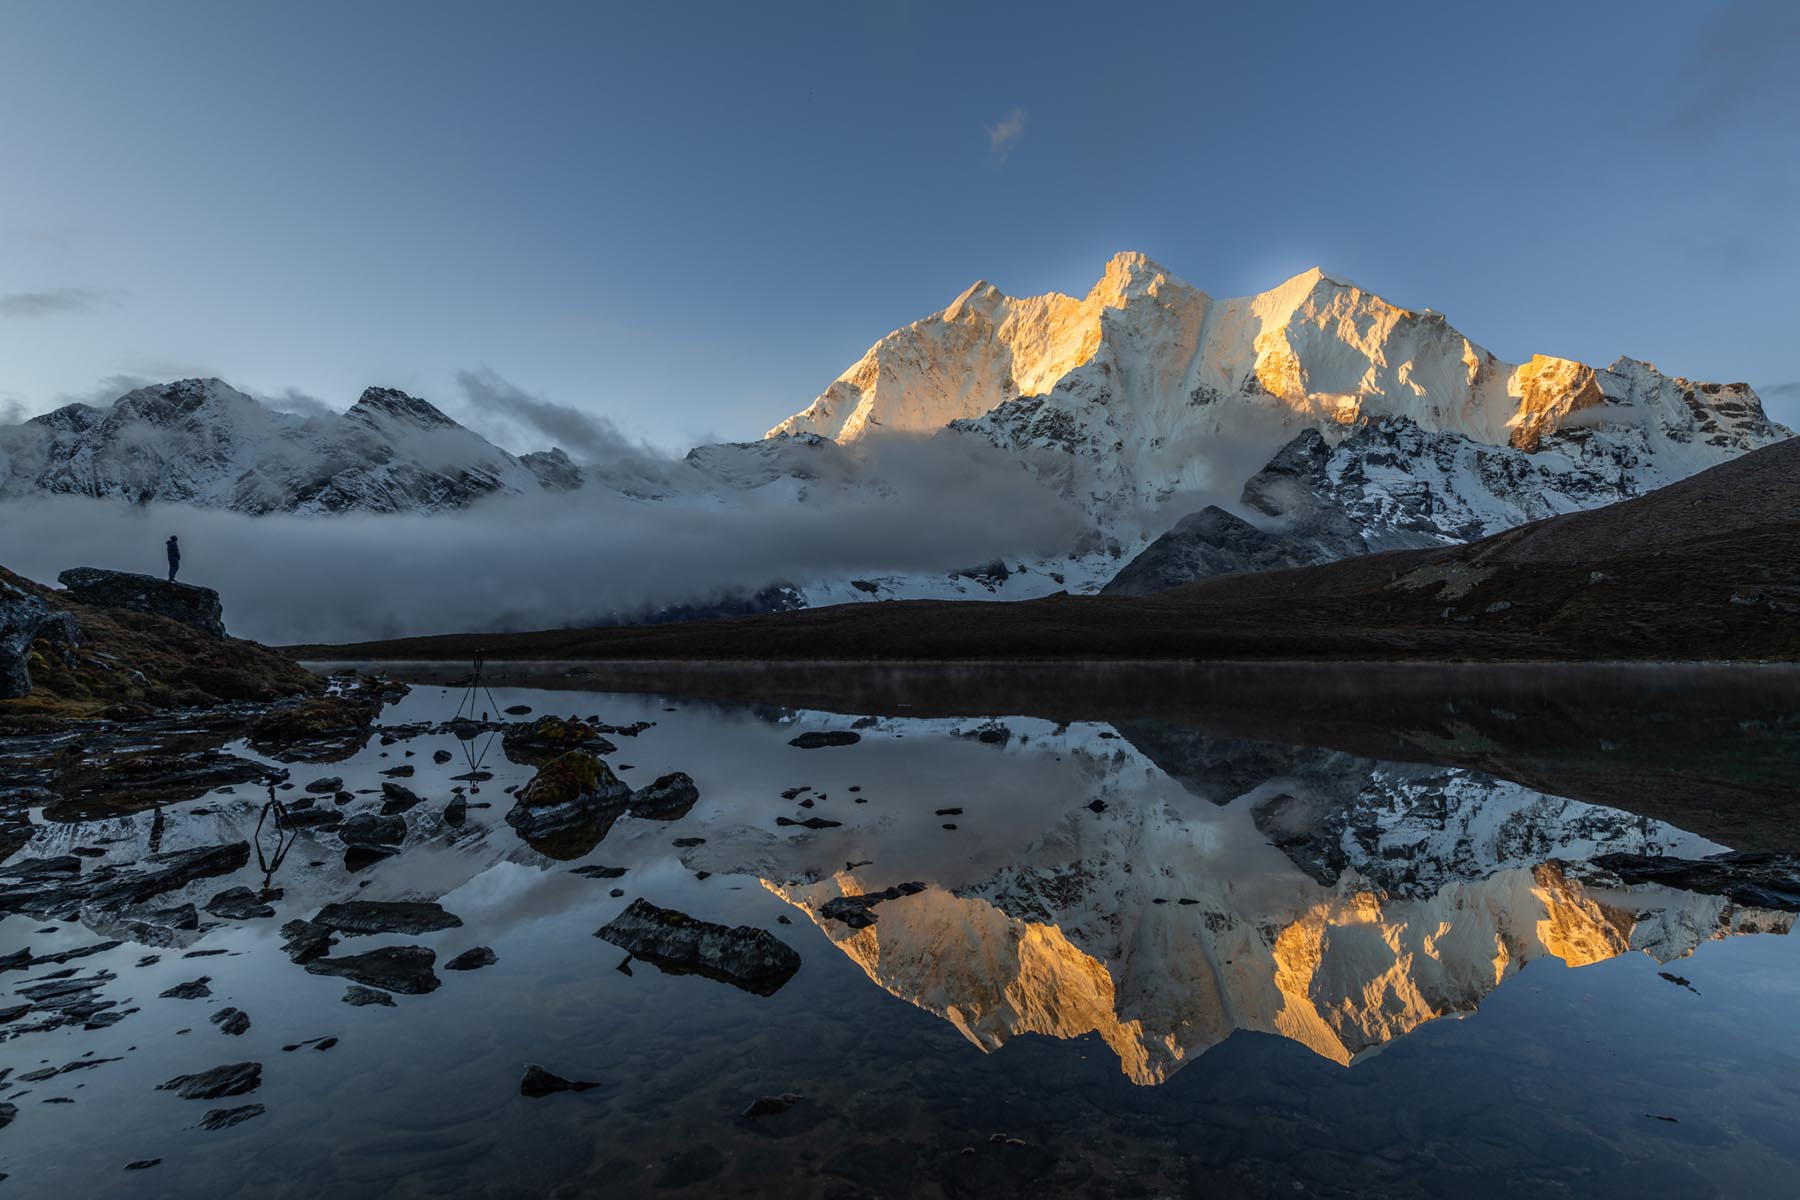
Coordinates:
1004 134
585 435
52 301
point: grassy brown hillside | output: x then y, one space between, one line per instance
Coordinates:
1706 569
131 662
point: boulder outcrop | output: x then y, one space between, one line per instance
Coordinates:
198 607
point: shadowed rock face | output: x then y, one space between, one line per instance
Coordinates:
1209 542
21 616
195 606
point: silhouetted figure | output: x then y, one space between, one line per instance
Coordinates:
174 557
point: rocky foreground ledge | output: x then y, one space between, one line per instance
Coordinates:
120 645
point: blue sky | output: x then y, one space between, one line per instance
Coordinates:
690 218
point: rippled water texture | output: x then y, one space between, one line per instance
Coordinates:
1057 935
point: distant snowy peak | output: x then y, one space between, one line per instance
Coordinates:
1147 363
201 441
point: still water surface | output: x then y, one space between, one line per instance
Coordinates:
1145 958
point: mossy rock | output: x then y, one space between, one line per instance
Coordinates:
544 739
573 778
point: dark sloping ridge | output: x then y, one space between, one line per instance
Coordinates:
1705 569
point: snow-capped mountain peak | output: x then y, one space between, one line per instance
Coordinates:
201 441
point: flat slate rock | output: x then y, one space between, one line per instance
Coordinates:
539 1083
820 739
596 871
357 917
232 1079
240 904
225 1118
857 911
403 969
232 1021
469 960
193 989
356 995
745 957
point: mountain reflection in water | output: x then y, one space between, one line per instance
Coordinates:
1336 901
1091 863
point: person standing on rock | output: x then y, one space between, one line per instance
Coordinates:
174 548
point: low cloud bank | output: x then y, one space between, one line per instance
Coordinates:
539 561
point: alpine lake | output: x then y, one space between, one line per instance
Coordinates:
912 931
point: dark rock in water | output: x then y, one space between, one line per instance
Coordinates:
326 786
548 738
596 871
819 739
302 941
749 958
356 917
1207 543
403 969
667 799
295 817
1751 878
358 996
855 911
1098 806
794 793
949 812
470 960
232 1021
616 893
225 1118
133 782
688 843
143 1164
401 772
809 823
807 803
342 798
569 805
324 729
360 858
368 829
232 1079
397 798
518 710
8 1113
769 1106
195 606
193 989
328 1043
539 1083
456 812
151 926
440 757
